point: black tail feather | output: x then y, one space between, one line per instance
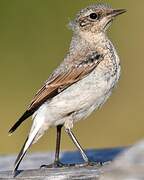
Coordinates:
22 118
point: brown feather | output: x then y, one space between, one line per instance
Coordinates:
64 80
58 82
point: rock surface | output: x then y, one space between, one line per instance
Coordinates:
127 164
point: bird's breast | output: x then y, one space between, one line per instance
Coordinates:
91 91
86 95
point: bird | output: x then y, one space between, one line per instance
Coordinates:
82 82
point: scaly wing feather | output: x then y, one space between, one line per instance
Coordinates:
59 83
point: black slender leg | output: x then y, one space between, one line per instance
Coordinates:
56 163
58 140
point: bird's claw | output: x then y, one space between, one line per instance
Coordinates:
56 164
89 163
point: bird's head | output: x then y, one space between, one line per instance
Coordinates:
95 18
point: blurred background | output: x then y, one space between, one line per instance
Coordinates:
34 39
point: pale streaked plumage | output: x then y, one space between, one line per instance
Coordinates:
82 82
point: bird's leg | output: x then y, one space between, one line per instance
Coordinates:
57 151
77 144
75 141
56 163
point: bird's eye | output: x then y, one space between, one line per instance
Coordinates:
93 16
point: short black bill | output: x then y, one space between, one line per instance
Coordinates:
116 12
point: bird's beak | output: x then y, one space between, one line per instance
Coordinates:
116 12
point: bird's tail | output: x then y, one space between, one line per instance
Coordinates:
20 120
29 141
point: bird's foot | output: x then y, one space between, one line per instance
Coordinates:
56 164
89 163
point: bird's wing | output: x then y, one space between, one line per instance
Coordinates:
59 83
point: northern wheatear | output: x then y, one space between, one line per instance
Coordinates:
81 83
